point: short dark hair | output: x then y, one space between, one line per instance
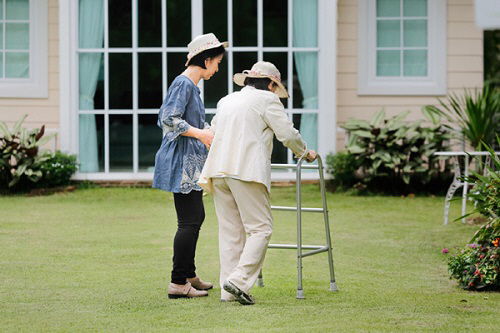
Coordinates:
261 83
199 59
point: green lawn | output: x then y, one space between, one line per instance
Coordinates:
100 259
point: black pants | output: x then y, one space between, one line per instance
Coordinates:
190 217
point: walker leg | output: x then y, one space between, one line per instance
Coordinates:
260 280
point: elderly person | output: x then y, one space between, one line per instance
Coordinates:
238 173
181 156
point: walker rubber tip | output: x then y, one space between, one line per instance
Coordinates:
333 286
260 282
300 294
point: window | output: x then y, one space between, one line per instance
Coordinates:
130 51
402 47
23 48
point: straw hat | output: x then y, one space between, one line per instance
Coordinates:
202 43
263 69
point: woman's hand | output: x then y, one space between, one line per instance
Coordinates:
311 156
205 136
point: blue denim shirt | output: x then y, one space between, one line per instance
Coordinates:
180 159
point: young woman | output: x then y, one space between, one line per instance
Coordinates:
238 173
180 159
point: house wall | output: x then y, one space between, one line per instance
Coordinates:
41 111
464 65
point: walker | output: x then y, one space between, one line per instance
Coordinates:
315 249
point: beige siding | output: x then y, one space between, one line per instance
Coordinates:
464 64
40 110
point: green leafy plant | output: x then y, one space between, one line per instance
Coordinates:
476 112
19 158
393 150
57 169
477 266
342 167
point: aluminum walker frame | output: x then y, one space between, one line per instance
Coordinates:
315 249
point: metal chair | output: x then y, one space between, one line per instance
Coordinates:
315 249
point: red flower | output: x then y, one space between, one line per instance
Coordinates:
481 256
471 284
477 272
495 242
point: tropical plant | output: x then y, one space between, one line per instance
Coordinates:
477 113
395 149
19 158
478 265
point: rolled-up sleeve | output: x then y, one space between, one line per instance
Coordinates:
278 121
172 110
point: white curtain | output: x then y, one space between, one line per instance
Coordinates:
91 32
305 34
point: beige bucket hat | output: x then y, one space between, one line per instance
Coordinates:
263 69
202 43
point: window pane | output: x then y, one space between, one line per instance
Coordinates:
1 65
245 23
276 23
388 63
17 65
91 24
307 124
17 10
280 153
241 62
1 10
120 143
388 33
1 34
415 7
91 143
306 80
120 81
280 60
149 141
175 65
17 36
150 81
149 16
415 62
216 87
120 23
178 22
215 23
91 81
388 8
305 23
415 32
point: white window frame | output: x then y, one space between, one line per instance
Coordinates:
68 16
434 84
36 86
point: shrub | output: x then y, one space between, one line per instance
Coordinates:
342 166
19 158
57 170
392 153
477 266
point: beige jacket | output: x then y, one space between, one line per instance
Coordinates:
244 126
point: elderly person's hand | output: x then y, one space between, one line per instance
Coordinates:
311 156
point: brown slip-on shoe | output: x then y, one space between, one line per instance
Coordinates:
199 284
184 291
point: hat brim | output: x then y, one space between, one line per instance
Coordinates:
239 79
225 44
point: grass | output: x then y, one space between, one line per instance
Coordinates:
100 260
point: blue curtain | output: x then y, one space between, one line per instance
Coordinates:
305 34
90 34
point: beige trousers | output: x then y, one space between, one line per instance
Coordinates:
245 226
